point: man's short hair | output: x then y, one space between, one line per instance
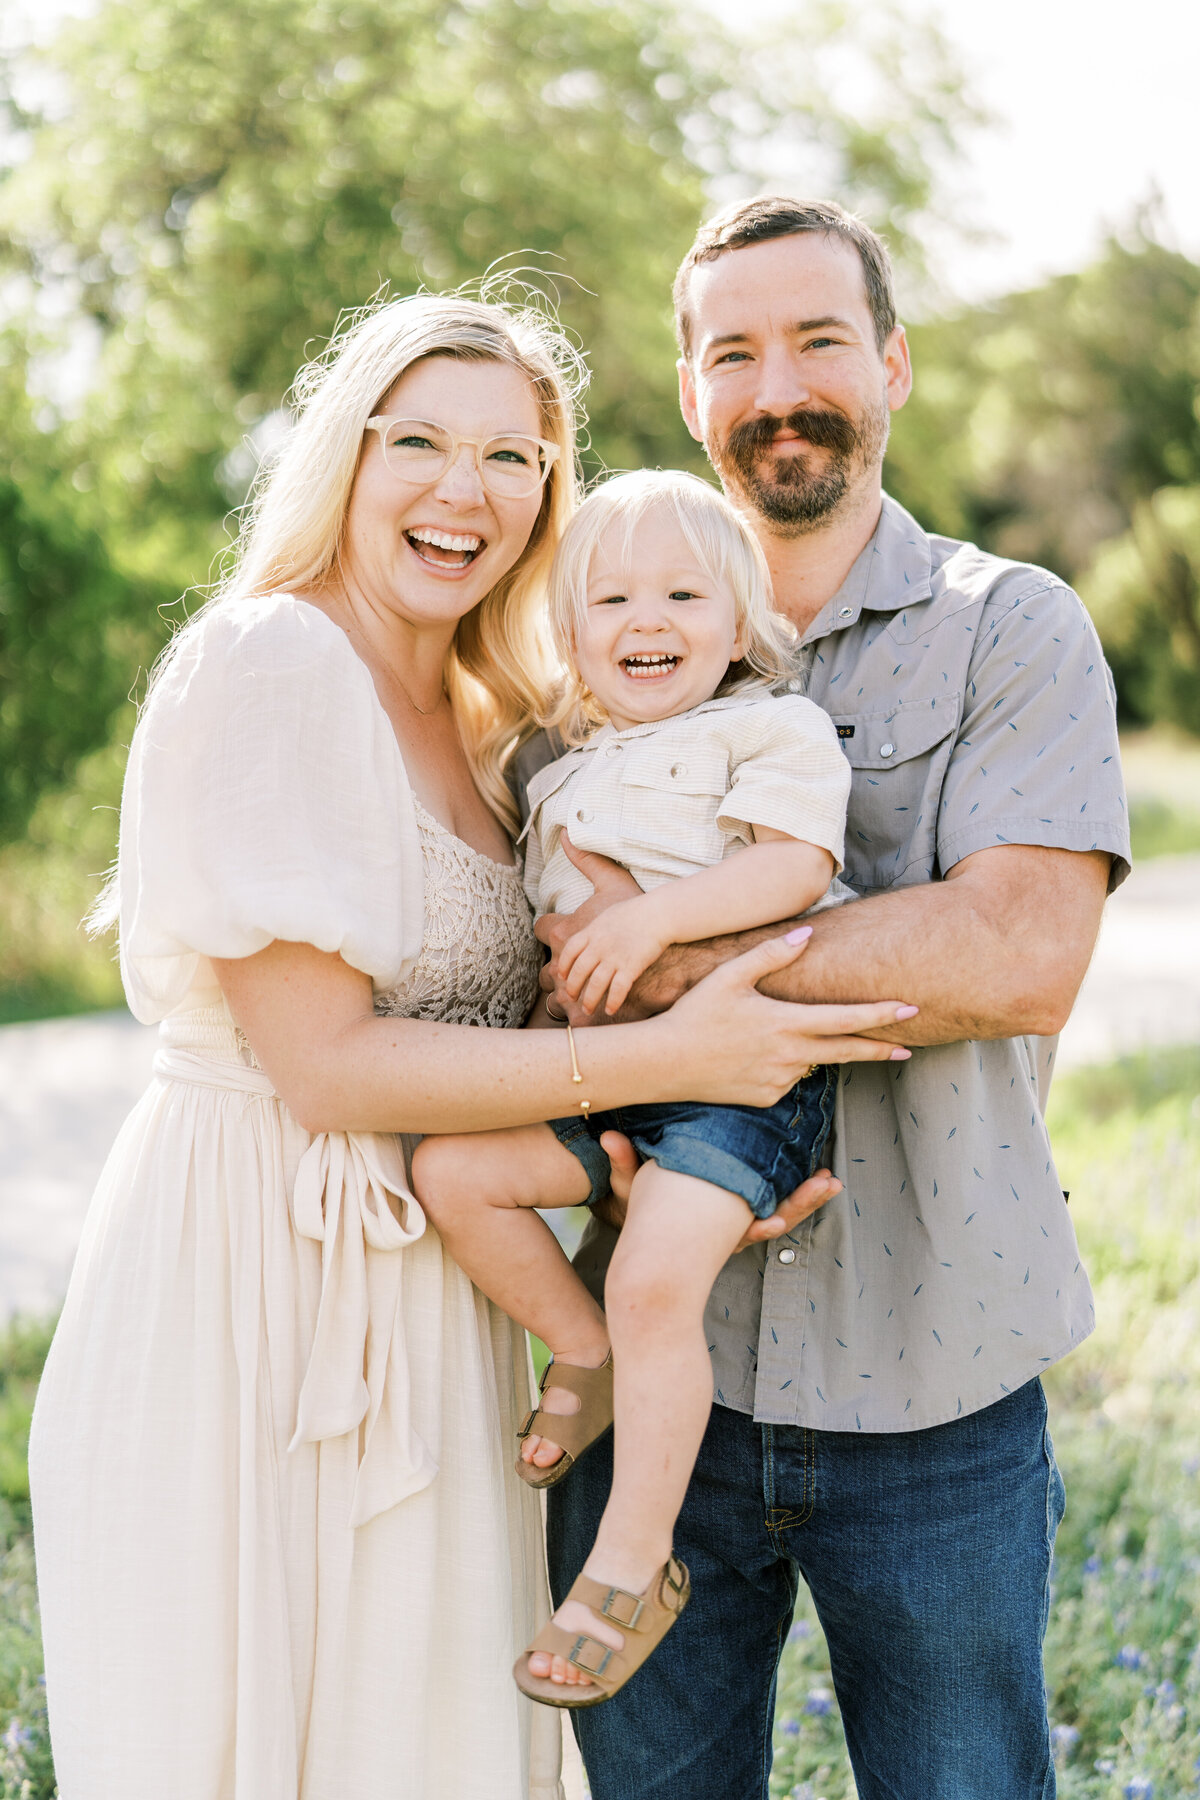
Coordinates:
776 215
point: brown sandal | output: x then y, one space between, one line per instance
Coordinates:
572 1432
644 1618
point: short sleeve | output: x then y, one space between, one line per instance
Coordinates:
788 772
265 798
1037 758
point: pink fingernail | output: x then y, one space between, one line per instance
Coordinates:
900 1054
907 1012
798 936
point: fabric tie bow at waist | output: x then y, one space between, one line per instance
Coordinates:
358 1366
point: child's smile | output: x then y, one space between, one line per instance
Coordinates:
645 663
658 632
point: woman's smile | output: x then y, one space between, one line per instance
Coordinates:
443 549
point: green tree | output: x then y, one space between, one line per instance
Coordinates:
74 627
1040 423
213 181
1061 426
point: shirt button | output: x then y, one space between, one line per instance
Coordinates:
787 1256
583 815
887 749
678 769
613 750
846 612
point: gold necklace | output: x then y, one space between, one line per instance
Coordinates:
425 712
353 631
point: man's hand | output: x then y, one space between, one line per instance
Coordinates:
611 883
625 1161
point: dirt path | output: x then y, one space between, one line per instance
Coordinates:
66 1084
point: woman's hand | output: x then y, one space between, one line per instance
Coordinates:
732 1046
625 1161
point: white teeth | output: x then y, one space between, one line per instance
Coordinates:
442 540
648 661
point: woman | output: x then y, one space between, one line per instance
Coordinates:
281 1550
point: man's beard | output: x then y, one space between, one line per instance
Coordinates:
783 487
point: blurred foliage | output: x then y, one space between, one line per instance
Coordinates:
1157 829
1040 422
1143 590
197 189
26 1764
1060 426
72 632
48 880
1162 777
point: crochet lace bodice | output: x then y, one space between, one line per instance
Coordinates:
479 959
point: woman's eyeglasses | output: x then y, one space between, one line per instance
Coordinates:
510 466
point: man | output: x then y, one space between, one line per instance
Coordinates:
879 1428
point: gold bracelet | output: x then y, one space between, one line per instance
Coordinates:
585 1106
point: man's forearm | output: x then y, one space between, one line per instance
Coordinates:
997 950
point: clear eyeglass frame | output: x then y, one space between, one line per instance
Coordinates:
510 481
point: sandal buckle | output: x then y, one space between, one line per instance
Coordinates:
669 1575
524 1430
608 1609
575 1656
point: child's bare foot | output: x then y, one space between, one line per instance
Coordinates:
541 1451
574 1617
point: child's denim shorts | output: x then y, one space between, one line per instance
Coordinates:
759 1152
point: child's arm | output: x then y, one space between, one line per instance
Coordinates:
775 878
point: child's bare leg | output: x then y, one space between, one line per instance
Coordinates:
480 1190
678 1233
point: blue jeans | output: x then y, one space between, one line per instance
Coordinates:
927 1554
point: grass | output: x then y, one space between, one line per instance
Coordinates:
1162 774
1123 1664
26 1767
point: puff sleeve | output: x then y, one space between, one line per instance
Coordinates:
265 798
789 774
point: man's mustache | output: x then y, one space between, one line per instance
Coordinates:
756 437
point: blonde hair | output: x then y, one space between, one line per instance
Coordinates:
722 544
500 667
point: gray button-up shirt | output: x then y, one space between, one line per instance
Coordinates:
975 708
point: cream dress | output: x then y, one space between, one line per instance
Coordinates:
282 1554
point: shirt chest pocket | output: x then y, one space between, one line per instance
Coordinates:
669 801
898 762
